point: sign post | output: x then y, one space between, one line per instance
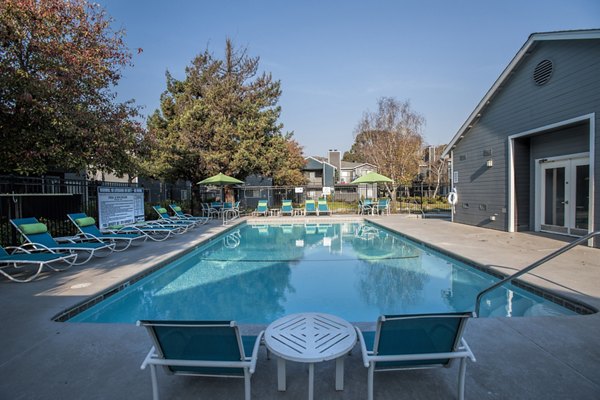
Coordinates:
120 206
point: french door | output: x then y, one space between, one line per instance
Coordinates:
563 200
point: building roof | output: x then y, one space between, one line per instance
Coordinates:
354 165
318 160
525 50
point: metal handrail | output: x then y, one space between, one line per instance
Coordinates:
233 212
532 266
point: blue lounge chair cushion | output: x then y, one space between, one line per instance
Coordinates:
36 257
87 221
32 229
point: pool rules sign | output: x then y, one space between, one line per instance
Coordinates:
120 205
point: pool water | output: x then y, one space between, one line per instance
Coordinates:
357 271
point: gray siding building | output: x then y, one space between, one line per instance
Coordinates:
526 159
318 173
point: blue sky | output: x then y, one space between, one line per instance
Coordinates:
336 58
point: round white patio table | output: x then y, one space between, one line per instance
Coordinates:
310 338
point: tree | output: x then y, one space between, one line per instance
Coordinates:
437 168
59 60
222 118
391 138
352 155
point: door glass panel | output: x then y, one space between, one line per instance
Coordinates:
582 193
554 199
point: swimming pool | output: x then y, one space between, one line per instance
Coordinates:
358 271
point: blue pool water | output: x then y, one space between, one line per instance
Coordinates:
256 274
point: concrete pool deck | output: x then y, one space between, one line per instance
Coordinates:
519 358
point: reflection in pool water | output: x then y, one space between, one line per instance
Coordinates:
258 273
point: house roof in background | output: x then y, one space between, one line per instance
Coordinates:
353 165
318 159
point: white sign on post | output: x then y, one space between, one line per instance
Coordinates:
120 206
326 190
299 190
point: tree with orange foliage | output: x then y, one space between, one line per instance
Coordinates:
59 61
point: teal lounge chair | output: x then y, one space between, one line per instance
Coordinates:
323 208
262 208
201 348
416 341
20 258
165 219
150 229
37 236
87 226
309 207
287 208
187 217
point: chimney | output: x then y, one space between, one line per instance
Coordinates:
334 158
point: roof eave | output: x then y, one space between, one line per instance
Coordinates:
534 37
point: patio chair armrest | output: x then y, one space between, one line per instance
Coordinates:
255 352
151 354
17 249
363 347
90 237
39 247
465 347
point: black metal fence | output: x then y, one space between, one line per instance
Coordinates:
50 199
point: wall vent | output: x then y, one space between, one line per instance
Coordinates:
543 72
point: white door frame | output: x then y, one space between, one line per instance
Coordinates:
591 119
568 161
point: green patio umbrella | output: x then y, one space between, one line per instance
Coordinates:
372 177
220 180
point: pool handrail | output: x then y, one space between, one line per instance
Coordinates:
536 264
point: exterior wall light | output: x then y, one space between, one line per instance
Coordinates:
489 163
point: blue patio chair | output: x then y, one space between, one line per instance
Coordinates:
287 208
365 207
88 229
322 207
187 217
416 341
383 206
201 348
165 219
262 208
20 258
309 207
37 236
